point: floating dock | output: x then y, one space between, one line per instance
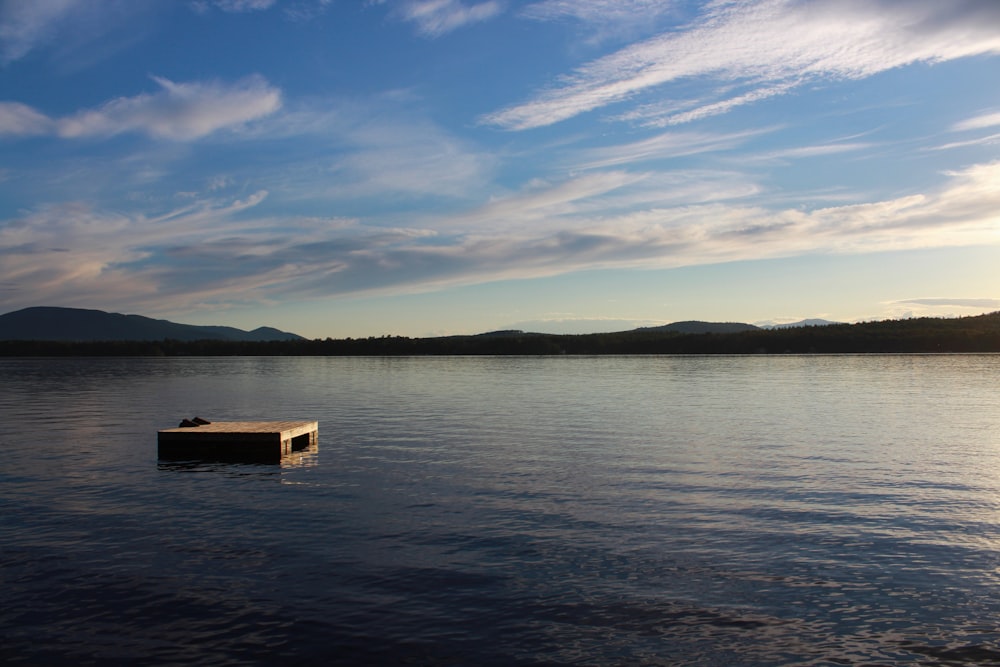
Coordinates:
236 441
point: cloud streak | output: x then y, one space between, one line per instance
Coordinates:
71 253
978 122
385 146
663 146
960 303
767 48
26 23
217 252
434 18
20 120
243 5
295 10
604 19
177 111
70 27
598 11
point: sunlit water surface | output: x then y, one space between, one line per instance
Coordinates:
799 510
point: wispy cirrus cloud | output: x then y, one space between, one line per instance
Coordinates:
67 25
963 211
20 120
71 252
652 116
26 23
760 49
543 205
946 301
939 307
242 5
662 146
987 140
306 10
805 152
604 19
215 251
177 111
295 10
406 154
434 18
384 146
344 152
978 122
552 207
598 11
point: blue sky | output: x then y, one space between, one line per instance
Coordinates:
425 167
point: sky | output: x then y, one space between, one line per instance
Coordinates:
354 168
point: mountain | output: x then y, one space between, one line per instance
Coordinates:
696 327
78 324
800 323
503 333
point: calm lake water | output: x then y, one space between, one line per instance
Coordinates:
764 510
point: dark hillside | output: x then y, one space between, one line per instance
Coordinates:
923 335
44 323
697 327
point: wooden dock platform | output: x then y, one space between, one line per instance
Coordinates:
237 441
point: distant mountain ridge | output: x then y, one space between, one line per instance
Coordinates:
698 327
79 324
801 323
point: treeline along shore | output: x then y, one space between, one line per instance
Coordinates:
918 335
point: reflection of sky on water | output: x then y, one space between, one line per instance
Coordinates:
741 509
304 458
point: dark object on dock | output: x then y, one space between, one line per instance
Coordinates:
256 442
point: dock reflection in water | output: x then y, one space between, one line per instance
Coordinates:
245 464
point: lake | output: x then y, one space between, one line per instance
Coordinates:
654 510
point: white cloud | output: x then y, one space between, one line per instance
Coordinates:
434 18
940 307
717 108
978 141
71 253
951 301
543 204
306 10
604 19
962 213
383 147
243 5
542 207
800 152
21 120
662 146
770 47
26 23
79 31
598 11
178 111
978 122
205 253
295 10
408 155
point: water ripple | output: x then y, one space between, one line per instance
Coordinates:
507 511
